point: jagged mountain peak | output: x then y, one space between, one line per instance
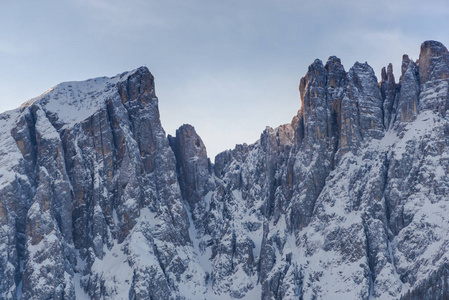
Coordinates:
433 62
97 84
433 48
74 101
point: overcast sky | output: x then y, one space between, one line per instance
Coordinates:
229 68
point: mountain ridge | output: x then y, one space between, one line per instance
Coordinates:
346 201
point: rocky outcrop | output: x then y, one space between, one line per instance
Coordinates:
388 90
407 105
193 166
348 200
434 77
362 109
433 62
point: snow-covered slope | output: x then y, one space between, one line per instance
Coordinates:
348 201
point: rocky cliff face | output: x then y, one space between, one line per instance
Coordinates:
347 201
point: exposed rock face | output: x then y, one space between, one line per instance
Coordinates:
388 89
346 201
433 62
434 77
94 194
407 106
193 165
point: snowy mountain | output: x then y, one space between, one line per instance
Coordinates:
348 201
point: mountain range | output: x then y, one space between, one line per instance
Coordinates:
349 200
